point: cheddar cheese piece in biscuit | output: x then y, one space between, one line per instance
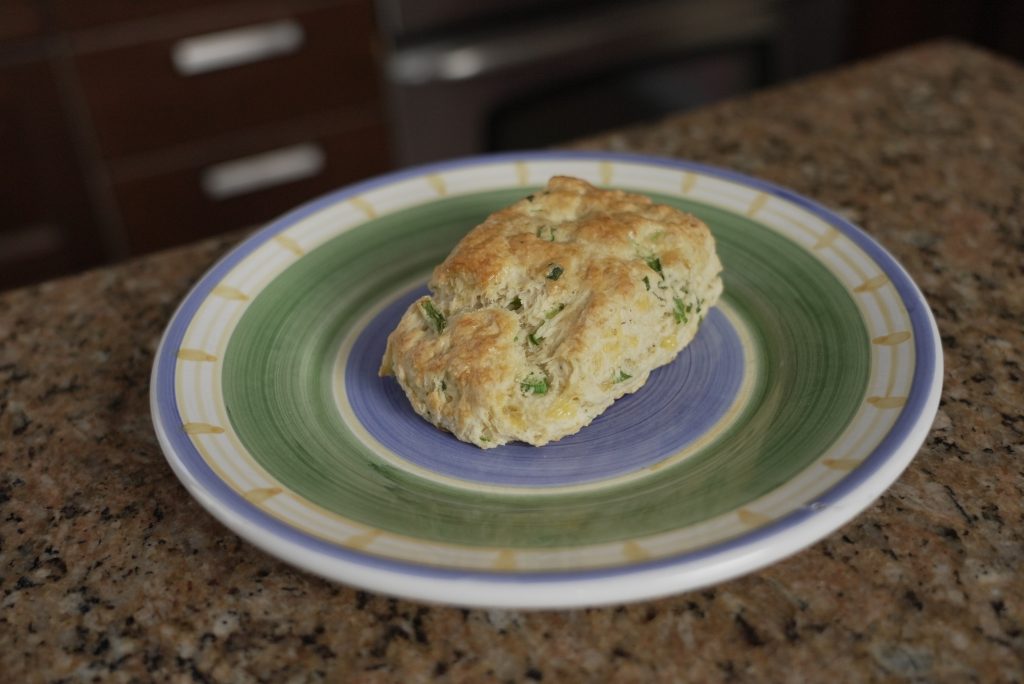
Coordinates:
550 310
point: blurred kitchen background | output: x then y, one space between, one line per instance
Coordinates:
128 126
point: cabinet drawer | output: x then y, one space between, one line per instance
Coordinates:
246 190
198 86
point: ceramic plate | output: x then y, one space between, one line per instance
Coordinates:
804 395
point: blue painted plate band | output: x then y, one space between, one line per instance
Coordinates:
925 370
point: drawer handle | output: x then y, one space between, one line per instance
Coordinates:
226 49
261 171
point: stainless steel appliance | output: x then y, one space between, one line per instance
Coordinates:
464 77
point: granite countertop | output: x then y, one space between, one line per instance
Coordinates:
108 569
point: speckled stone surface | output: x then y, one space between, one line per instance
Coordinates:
110 571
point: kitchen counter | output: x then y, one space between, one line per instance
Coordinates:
108 568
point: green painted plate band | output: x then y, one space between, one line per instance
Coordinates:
812 356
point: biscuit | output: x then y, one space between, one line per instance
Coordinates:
550 310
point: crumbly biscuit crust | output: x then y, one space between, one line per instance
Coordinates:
550 310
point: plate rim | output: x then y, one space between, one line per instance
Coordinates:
678 572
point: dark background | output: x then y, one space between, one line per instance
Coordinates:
106 151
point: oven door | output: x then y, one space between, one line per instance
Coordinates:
532 82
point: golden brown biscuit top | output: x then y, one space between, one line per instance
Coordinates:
567 224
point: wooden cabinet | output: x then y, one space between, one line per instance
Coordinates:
46 222
183 204
142 98
81 14
125 125
20 19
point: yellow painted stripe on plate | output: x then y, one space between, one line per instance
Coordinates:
290 244
261 494
363 540
522 173
827 239
872 284
634 552
689 180
892 338
202 429
752 519
846 464
228 292
658 465
195 355
887 402
437 183
757 204
506 560
364 206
